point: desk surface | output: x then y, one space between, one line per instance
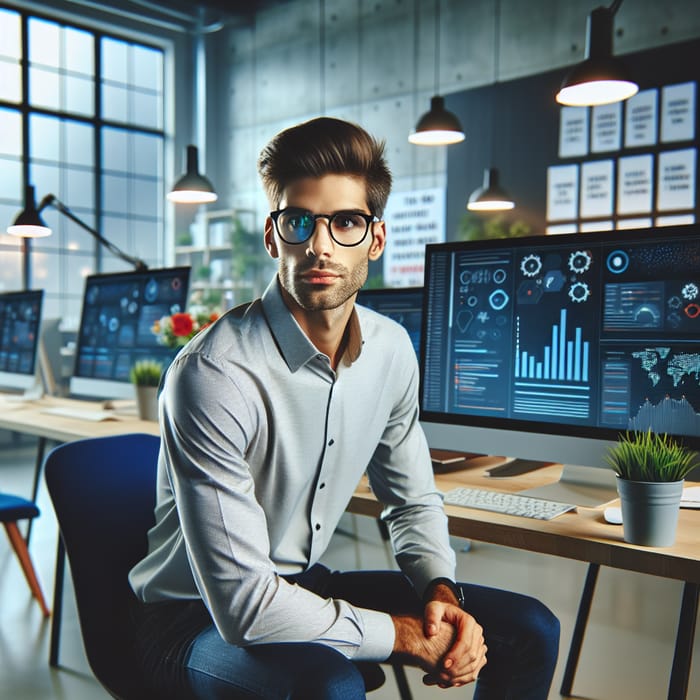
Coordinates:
27 417
583 535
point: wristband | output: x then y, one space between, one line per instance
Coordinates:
456 589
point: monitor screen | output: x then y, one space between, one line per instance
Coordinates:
20 321
403 304
573 338
118 313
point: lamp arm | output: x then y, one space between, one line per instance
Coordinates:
51 200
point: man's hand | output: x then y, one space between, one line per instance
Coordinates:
413 647
467 654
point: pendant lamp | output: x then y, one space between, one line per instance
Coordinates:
490 196
192 187
601 78
438 126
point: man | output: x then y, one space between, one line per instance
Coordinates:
269 419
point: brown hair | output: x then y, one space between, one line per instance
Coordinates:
325 146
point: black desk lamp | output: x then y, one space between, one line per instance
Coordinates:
29 224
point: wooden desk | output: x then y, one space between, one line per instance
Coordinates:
583 535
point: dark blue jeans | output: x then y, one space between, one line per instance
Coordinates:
521 634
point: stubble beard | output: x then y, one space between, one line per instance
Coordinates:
319 297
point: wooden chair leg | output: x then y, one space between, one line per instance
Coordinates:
20 547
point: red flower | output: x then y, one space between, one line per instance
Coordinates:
182 324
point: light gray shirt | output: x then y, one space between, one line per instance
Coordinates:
263 445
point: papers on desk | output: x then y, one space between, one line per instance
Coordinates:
88 414
691 497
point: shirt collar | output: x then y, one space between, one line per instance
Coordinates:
295 347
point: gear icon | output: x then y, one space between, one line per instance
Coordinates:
579 261
690 291
579 292
530 265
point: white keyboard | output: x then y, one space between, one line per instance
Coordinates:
509 503
89 414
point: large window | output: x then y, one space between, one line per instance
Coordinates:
81 117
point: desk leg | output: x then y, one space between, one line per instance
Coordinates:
683 654
57 603
584 608
40 449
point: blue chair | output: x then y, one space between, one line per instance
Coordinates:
12 509
103 491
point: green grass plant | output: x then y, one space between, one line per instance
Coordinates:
146 373
648 456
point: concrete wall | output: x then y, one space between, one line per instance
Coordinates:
373 62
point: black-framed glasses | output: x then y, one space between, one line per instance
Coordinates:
347 228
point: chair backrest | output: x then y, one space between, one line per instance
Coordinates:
103 491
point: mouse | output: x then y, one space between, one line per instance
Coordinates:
613 516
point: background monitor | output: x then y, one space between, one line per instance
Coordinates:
115 327
20 322
549 347
403 304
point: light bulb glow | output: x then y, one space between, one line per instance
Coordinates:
29 231
436 137
597 92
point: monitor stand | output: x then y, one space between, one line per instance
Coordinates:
580 485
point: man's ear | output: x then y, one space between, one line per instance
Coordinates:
378 240
270 243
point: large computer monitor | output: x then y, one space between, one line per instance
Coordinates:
547 348
403 304
115 327
20 325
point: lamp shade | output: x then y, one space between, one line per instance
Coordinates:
29 223
490 196
192 187
601 78
438 127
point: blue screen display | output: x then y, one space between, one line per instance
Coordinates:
579 334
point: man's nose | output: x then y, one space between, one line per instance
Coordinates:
321 242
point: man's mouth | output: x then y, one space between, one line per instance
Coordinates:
319 277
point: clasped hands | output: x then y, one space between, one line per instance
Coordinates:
447 643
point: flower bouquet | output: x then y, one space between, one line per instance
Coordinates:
176 330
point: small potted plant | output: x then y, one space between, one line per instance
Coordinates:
651 469
145 376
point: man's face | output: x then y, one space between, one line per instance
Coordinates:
319 274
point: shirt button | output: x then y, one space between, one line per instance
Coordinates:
322 486
331 442
318 526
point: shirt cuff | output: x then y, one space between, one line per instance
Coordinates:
378 639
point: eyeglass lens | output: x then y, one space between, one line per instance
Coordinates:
346 228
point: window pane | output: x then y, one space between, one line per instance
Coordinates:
10 181
10 132
43 88
149 64
10 269
115 149
114 193
79 189
148 155
79 51
145 109
79 95
114 60
10 37
10 81
44 137
79 147
145 198
44 42
114 103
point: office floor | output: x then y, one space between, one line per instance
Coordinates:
627 651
